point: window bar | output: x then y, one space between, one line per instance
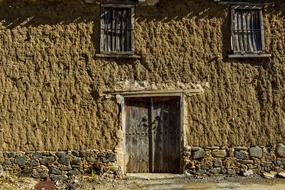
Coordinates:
123 30
261 27
254 26
106 11
244 28
239 15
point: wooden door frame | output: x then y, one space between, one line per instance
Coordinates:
150 95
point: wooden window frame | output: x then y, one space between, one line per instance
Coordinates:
116 54
248 54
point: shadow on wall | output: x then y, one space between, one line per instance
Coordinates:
26 13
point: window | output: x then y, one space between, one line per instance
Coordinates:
247 32
117 29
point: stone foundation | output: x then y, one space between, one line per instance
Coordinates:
198 161
244 161
61 165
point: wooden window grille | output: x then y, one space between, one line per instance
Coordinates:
117 29
247 30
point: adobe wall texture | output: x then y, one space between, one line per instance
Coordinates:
54 89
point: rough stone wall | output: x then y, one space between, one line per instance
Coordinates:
214 160
53 87
61 165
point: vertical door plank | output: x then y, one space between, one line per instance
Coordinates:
137 138
166 115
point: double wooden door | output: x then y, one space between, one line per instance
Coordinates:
153 134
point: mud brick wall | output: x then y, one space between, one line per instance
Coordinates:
54 89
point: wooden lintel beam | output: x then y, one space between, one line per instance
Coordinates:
246 3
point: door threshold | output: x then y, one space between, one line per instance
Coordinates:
153 176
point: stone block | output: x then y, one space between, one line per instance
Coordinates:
241 155
36 155
110 157
219 153
218 163
280 149
199 154
47 160
75 153
60 154
248 173
58 177
64 161
26 172
55 171
7 163
231 172
281 174
255 152
200 172
215 170
66 168
20 160
10 154
269 175
75 161
35 163
73 172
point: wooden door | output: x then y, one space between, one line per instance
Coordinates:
165 135
137 135
153 134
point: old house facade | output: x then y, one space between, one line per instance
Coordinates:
141 86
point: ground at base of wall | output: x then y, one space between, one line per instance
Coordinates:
209 183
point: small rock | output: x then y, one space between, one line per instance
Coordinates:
231 172
36 155
215 170
218 163
64 161
66 168
35 163
47 160
11 154
281 174
248 173
7 163
255 152
20 160
75 153
200 172
241 155
280 150
199 154
110 157
73 172
55 171
75 161
269 175
187 173
60 154
219 153
57 178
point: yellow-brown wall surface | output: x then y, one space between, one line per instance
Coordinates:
53 87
